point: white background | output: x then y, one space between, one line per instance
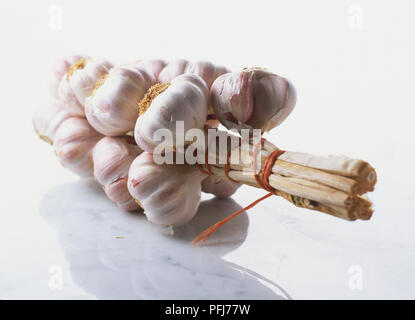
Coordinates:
352 63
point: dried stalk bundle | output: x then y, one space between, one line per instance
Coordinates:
333 185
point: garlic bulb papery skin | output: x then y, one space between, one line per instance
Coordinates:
78 84
60 68
169 194
112 157
112 109
152 66
172 70
73 145
47 119
253 98
221 188
186 100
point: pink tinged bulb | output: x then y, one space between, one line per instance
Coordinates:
221 188
60 68
184 102
47 119
73 145
253 99
169 194
112 157
79 83
112 109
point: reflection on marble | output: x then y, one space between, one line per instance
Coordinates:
118 255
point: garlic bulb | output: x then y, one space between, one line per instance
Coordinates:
253 98
169 194
185 99
152 66
206 70
47 119
73 144
221 188
112 109
60 68
112 157
79 83
172 70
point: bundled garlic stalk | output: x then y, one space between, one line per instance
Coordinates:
333 185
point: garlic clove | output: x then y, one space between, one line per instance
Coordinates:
253 98
112 109
185 100
73 145
169 194
79 83
47 119
112 157
221 188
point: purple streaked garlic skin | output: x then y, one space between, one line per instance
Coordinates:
169 194
76 87
73 145
113 107
252 99
221 188
112 157
47 119
186 100
60 68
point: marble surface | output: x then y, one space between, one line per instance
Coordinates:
352 65
75 244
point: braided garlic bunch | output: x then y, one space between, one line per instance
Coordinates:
99 105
